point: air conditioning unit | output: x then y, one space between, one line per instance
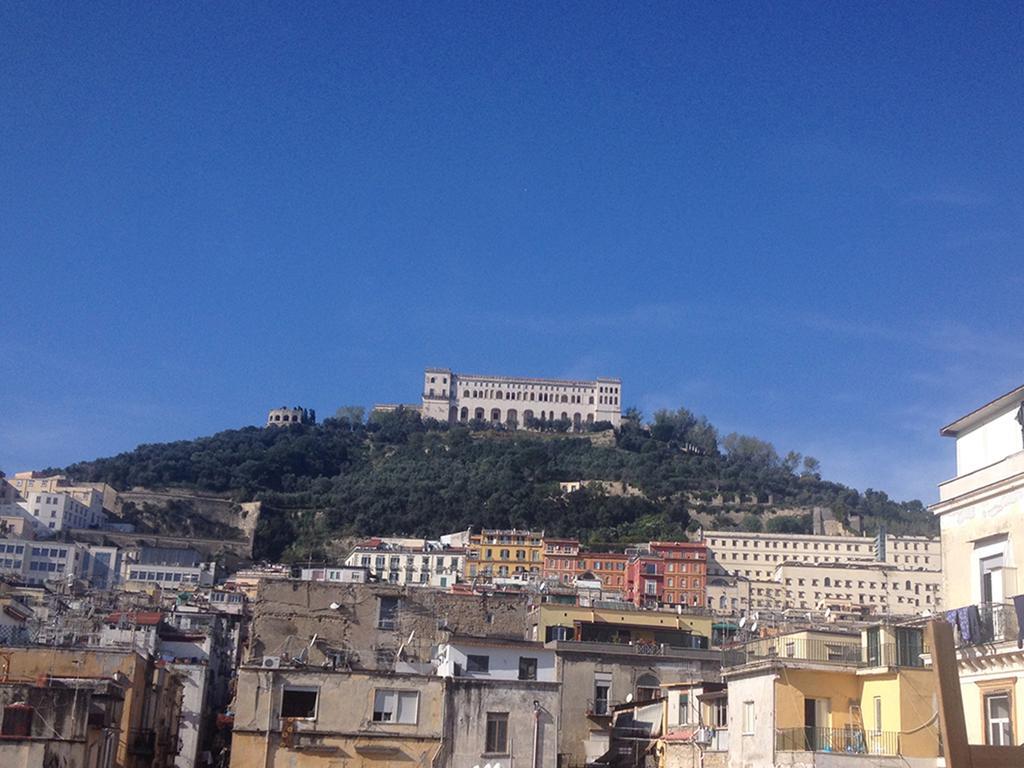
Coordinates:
271 662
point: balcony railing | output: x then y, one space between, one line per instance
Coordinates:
802 649
841 740
997 624
897 655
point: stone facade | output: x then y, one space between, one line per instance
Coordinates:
516 402
364 626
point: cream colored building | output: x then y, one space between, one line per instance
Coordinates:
981 514
849 574
517 402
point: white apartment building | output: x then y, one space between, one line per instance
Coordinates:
900 575
167 567
36 562
516 402
981 517
55 503
409 566
344 574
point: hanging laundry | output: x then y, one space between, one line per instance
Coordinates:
963 621
980 633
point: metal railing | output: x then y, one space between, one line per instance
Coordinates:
840 740
997 623
897 655
803 649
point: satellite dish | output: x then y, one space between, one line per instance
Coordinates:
810 617
629 698
743 621
756 615
753 627
679 609
336 606
828 612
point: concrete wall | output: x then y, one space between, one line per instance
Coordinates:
467 705
752 750
987 443
287 614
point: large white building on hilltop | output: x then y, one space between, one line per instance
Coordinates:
519 402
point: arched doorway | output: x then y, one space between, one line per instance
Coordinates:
577 421
512 418
496 415
478 413
464 415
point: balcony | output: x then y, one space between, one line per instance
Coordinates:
997 624
837 740
798 649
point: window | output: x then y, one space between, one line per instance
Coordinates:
684 709
387 617
476 663
878 714
395 707
748 717
998 728
602 692
720 711
299 702
497 733
527 668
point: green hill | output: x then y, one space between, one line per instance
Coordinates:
395 474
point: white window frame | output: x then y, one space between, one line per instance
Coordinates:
398 710
749 718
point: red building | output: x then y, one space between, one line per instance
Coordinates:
668 573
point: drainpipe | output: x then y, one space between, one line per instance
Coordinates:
536 730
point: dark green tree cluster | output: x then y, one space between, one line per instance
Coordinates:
395 473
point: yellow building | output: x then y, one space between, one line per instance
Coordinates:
807 700
148 732
318 718
497 553
981 517
551 621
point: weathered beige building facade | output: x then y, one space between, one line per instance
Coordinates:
313 717
981 515
516 402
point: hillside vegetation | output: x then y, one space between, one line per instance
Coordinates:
396 474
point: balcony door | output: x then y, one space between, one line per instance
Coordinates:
816 717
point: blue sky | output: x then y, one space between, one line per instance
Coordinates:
803 220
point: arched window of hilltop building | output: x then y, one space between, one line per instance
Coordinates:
466 393
464 415
565 416
590 418
495 414
527 416
498 394
512 418
478 413
565 398
591 400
